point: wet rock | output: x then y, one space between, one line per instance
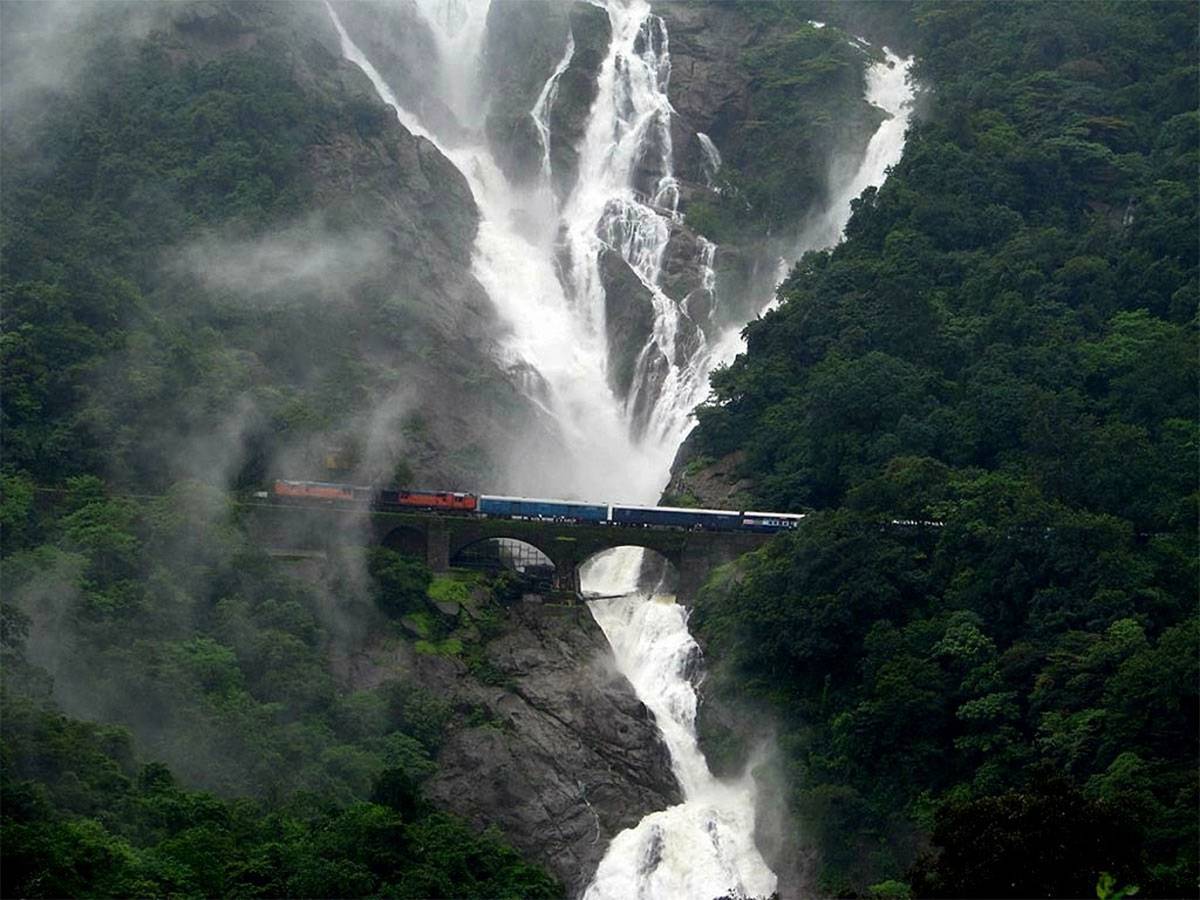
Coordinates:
399 44
629 319
682 263
569 756
525 42
716 484
577 91
423 322
653 369
710 89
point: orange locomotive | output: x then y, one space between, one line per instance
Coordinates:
326 493
454 501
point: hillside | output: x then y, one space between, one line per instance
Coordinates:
980 650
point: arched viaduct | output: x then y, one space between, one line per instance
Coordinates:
440 538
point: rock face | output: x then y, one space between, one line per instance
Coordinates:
629 319
700 481
396 40
576 91
560 753
525 41
415 333
710 89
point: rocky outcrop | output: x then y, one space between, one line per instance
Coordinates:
629 319
395 313
576 91
557 750
571 756
399 44
525 41
697 480
710 89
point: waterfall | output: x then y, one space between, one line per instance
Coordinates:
545 103
626 200
712 157
889 88
703 847
540 263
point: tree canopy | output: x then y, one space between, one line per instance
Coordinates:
987 397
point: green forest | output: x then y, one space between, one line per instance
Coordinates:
979 653
168 617
173 620
980 650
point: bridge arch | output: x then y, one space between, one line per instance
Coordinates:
611 570
407 540
503 553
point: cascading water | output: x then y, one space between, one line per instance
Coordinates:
712 157
703 847
889 87
539 262
627 200
545 102
514 260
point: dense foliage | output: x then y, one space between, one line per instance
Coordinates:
135 595
125 196
165 615
1003 349
81 818
805 103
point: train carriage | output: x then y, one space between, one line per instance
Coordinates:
536 508
768 522
677 517
319 491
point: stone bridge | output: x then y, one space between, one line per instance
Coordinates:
440 539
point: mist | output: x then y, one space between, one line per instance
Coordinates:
306 262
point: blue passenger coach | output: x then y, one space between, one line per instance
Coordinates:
533 508
677 517
769 522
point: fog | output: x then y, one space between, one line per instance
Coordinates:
306 262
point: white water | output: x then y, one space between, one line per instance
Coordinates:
712 157
704 846
513 259
624 201
545 102
889 87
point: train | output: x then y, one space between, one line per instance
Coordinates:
528 508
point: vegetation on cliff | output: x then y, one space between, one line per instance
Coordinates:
981 648
804 105
191 290
163 616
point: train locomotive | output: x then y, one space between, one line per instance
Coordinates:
462 503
